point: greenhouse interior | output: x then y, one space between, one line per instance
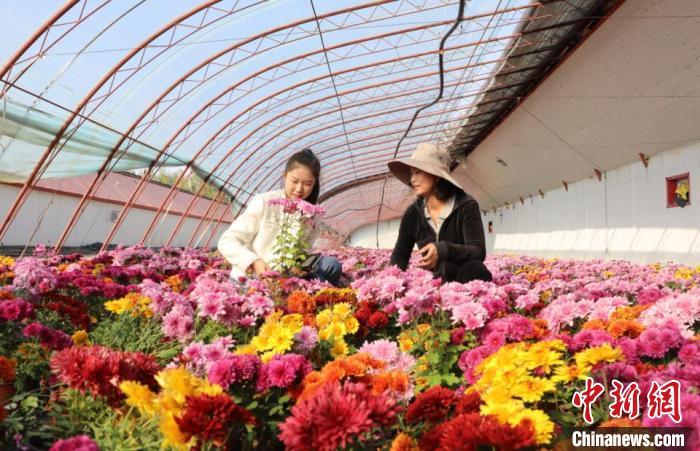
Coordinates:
350 224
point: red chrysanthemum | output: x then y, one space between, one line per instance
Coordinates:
76 311
468 403
431 406
7 370
469 431
213 418
336 416
377 320
100 370
370 317
430 440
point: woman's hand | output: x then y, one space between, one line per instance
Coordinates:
430 256
260 267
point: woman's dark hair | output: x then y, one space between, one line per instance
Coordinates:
307 158
444 190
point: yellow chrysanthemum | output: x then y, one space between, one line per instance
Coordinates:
177 383
79 338
324 318
207 388
683 273
294 321
544 355
531 389
172 436
336 329
281 341
334 323
118 306
139 396
132 302
7 262
568 373
544 427
259 342
506 375
497 394
405 344
421 382
423 328
502 411
245 349
339 349
342 310
352 325
588 358
276 335
97 270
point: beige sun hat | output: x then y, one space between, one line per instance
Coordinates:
427 157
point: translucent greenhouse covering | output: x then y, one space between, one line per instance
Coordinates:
229 89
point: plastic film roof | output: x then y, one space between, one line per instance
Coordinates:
229 89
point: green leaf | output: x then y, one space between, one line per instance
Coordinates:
451 379
30 402
433 358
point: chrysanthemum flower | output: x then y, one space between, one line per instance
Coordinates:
337 416
213 418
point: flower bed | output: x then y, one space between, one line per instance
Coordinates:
141 350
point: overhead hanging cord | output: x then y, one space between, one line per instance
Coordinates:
335 87
441 51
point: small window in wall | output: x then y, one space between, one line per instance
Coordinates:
113 215
678 190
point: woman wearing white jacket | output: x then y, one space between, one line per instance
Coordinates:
249 241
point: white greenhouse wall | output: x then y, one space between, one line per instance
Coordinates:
624 216
366 236
44 214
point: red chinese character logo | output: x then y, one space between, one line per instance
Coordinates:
625 399
587 397
665 400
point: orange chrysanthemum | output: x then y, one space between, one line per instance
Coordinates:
625 327
628 312
175 283
394 381
301 302
331 296
356 366
403 442
594 324
540 328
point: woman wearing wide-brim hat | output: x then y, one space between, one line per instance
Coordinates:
445 222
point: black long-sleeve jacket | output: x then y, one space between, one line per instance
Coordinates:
461 236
